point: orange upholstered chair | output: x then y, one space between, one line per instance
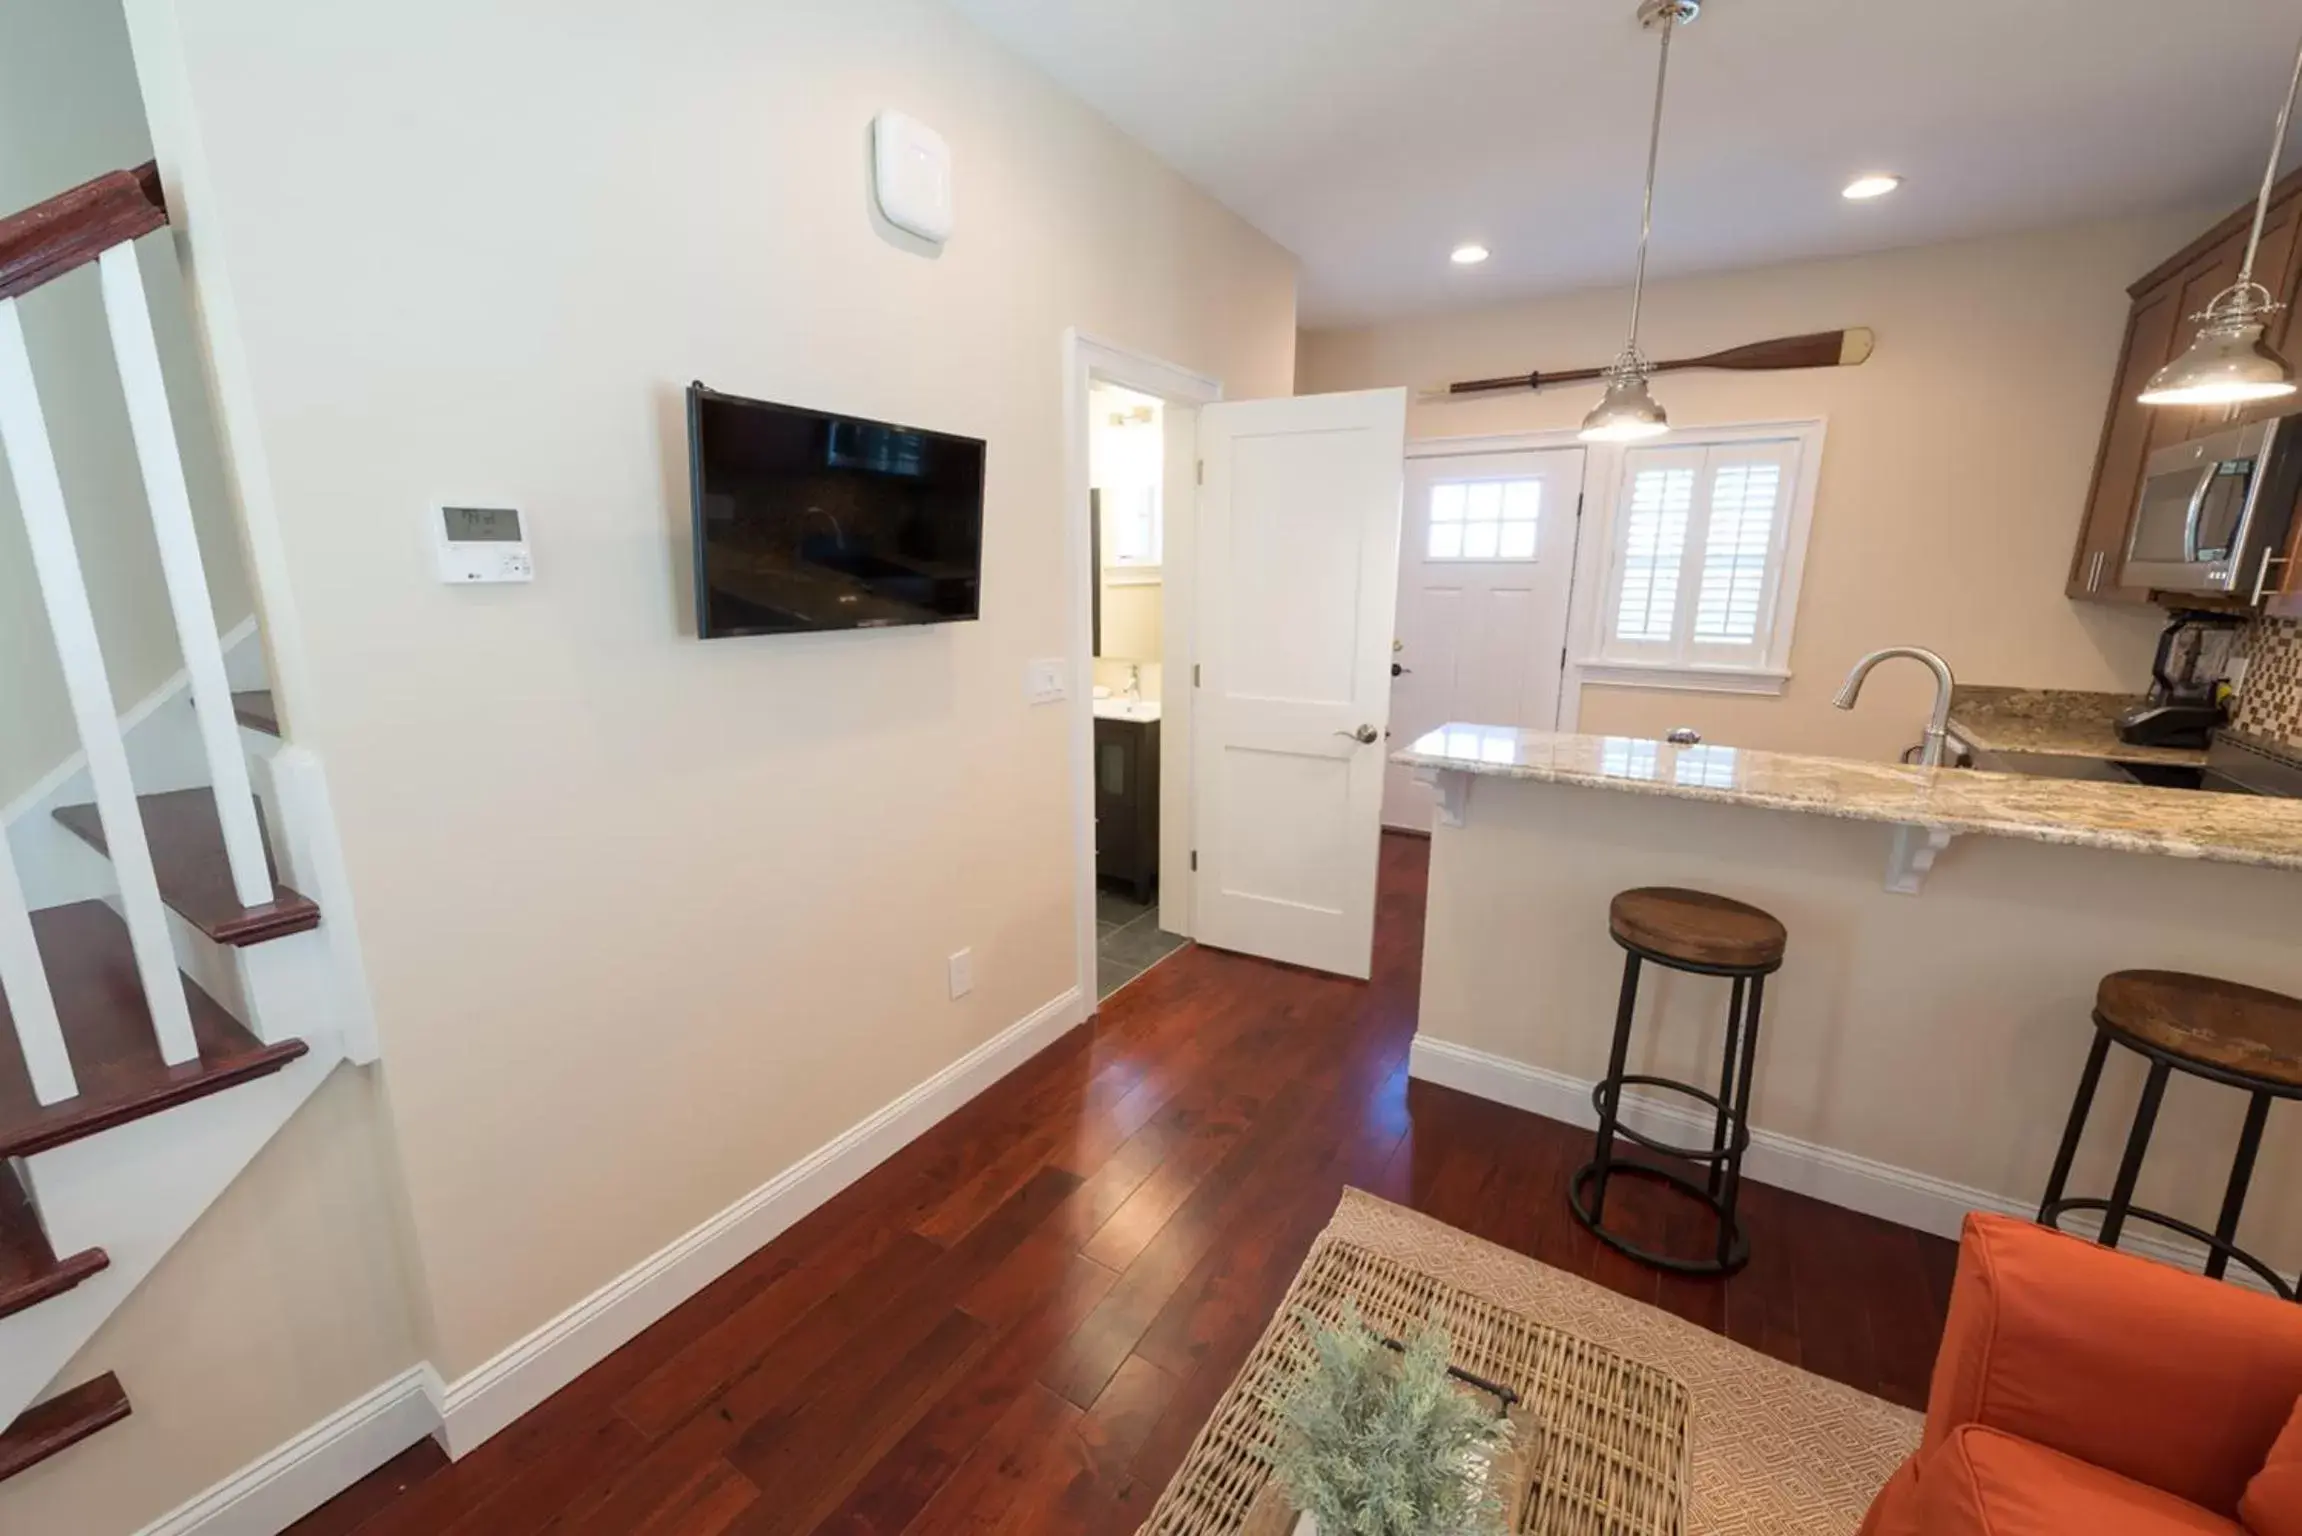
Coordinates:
2081 1390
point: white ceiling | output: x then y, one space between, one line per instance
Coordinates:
1370 136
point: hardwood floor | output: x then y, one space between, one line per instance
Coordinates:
1019 1322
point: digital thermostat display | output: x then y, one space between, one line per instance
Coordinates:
482 525
481 544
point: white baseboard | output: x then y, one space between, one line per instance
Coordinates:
1899 1195
311 1469
479 1405
274 1493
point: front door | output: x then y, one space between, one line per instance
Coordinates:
1298 549
1486 561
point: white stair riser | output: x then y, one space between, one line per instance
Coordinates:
134 1192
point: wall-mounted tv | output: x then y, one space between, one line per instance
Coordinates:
808 521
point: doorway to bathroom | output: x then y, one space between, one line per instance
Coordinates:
1126 496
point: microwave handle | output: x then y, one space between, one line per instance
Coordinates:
2197 512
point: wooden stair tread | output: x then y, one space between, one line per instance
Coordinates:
29 1270
187 842
108 1034
256 711
61 1423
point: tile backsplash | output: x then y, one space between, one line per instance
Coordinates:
2271 705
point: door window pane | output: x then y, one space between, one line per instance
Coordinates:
1484 520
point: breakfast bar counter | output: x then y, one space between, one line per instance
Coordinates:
1920 1050
2130 818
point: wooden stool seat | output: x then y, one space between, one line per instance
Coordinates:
1697 928
2222 1024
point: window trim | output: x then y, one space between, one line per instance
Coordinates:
1769 673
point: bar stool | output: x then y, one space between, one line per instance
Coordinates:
2218 1030
1706 935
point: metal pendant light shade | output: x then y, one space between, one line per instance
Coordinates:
1628 412
2228 362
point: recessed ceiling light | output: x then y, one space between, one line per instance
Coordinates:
1862 188
1469 254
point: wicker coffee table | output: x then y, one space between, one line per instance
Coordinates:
1610 1440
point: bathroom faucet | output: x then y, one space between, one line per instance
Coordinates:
1938 725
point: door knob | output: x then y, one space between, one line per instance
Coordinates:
1365 735
1397 670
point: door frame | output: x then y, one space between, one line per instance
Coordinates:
1089 360
1569 711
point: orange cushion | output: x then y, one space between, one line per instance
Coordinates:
2273 1502
1985 1482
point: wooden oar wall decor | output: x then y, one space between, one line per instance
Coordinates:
1821 349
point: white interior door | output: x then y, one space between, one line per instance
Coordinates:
1486 563
1297 583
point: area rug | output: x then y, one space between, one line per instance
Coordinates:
1772 1450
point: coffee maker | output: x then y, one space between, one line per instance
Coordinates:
2185 705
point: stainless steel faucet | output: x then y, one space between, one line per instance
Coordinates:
1938 725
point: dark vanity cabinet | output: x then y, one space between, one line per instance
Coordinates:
1127 804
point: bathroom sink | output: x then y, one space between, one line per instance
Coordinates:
1141 711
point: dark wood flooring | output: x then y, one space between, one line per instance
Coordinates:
1018 1323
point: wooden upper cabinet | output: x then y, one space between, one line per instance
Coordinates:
2158 328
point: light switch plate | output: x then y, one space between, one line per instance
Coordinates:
1043 680
962 966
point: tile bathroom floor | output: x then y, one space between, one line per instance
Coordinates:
1128 941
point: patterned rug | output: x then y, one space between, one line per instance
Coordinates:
1776 1451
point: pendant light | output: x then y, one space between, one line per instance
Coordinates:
2228 361
1627 412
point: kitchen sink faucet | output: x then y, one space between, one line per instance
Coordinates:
1937 725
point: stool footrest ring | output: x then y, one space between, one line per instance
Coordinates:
2051 1216
1738 1139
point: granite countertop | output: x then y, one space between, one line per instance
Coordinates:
2053 723
2183 824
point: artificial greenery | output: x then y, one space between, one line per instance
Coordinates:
1375 1442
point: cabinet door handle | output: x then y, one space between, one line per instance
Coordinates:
2262 576
2094 571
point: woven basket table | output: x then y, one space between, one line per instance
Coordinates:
1609 1451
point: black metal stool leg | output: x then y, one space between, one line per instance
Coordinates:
1610 1111
2080 1108
2137 1143
1726 1088
2241 1175
1730 1204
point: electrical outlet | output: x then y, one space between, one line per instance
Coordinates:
1043 680
962 965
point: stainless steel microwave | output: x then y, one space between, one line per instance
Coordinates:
2215 511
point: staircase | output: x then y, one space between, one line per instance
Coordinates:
177 969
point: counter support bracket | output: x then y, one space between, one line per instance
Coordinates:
1452 789
1912 860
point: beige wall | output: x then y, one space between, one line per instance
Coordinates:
648 919
1953 479
1940 1033
69 111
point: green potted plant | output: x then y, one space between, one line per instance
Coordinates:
1375 1440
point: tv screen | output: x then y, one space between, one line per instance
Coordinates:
806 521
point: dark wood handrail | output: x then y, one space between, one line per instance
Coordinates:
73 228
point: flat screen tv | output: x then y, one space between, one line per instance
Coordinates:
807 521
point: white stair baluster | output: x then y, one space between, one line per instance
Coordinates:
24 982
64 592
138 356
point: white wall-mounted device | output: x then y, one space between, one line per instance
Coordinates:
481 544
911 175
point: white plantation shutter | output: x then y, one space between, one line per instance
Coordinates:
1653 550
1702 535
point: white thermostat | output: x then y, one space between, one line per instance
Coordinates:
911 175
482 544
